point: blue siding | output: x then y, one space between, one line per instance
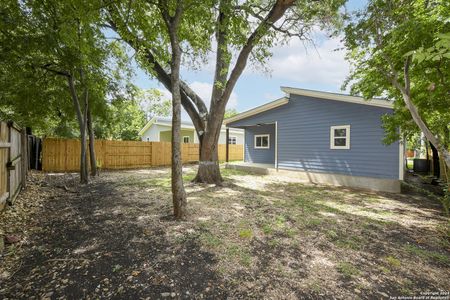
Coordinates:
304 137
261 156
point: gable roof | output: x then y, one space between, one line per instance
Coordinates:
309 93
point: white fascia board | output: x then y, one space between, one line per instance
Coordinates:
147 126
257 110
338 97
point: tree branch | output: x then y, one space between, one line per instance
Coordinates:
188 97
274 15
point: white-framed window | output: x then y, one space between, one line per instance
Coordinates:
232 140
262 141
340 137
186 139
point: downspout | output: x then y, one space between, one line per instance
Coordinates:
276 145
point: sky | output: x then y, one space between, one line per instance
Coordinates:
322 68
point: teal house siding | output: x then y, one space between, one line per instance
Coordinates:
303 127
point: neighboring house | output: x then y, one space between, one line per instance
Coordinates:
159 129
330 138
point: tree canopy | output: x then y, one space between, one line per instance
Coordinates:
400 50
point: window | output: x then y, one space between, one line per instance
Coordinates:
232 140
186 139
340 137
262 141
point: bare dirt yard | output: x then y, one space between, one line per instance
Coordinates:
255 237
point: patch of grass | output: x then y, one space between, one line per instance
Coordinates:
230 172
290 232
332 235
312 222
392 261
426 254
239 253
273 243
188 177
354 243
347 269
280 222
307 206
210 240
246 233
163 182
267 229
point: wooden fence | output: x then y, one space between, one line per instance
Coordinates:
63 155
13 161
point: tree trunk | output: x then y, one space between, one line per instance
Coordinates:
406 95
208 167
92 156
84 177
178 193
436 164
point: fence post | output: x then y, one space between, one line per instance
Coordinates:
8 173
24 156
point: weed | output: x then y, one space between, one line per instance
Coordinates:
246 233
280 221
267 229
392 261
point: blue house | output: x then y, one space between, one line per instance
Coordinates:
323 137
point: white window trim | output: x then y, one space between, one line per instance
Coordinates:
189 139
347 137
262 147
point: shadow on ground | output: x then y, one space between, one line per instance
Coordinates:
91 246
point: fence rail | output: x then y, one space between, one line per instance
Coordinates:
63 155
13 161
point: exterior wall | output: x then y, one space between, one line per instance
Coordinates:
239 137
260 156
153 135
166 136
304 137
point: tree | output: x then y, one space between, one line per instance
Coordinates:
153 103
172 15
243 30
401 50
56 50
230 113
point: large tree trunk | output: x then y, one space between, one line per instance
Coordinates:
92 155
208 168
84 177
